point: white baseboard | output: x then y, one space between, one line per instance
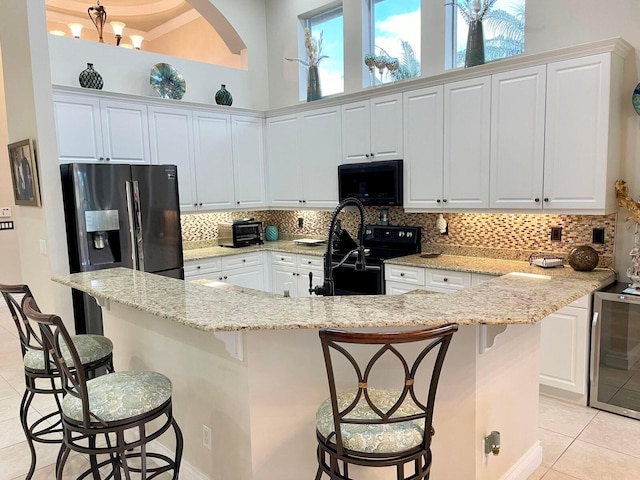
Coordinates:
187 471
527 464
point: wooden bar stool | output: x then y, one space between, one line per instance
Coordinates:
380 427
129 409
41 376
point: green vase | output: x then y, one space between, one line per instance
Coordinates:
475 45
313 84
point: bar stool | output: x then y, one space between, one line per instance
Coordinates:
122 406
41 377
380 427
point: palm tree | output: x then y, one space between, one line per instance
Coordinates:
509 34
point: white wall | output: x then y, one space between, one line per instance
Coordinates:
10 272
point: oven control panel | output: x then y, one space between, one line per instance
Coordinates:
392 234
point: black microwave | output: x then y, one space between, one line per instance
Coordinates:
373 183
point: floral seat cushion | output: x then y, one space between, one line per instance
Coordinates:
91 348
120 395
387 438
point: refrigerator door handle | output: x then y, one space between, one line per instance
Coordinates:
138 225
132 224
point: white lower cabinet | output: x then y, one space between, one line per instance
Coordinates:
243 270
291 272
402 279
564 347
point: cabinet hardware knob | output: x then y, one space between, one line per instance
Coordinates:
195 204
238 203
402 274
219 278
438 201
108 159
293 273
366 155
299 201
225 277
444 200
546 199
537 200
198 267
244 260
445 279
101 159
282 259
200 204
304 201
372 155
309 262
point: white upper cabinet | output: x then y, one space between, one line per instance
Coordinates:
213 161
517 138
90 129
283 157
78 128
372 129
582 133
125 132
303 154
423 147
171 133
248 162
320 152
467 116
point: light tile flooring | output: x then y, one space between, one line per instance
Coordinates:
579 443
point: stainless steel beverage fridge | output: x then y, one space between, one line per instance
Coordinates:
615 351
120 216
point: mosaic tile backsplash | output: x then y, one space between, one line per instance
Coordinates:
492 235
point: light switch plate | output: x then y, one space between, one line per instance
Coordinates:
5 212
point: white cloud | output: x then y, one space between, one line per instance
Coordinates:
331 82
404 26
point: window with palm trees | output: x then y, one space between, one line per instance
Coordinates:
503 26
393 52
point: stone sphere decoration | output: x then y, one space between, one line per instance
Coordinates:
583 258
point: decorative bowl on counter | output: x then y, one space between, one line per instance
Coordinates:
583 258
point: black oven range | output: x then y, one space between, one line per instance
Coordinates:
381 242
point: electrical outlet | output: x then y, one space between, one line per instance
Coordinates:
43 247
206 437
598 236
300 222
556 234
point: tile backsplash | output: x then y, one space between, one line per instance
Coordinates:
493 235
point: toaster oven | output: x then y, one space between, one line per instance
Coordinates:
240 233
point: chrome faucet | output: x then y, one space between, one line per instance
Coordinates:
328 287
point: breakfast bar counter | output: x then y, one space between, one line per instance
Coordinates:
248 365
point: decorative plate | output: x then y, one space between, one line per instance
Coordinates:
635 98
167 81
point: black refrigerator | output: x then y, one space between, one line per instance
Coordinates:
120 216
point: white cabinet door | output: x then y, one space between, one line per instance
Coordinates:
467 115
284 278
248 277
564 352
320 153
356 132
577 129
248 162
517 138
399 288
386 127
283 157
171 133
423 136
78 128
125 132
213 163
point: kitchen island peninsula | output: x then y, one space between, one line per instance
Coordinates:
258 388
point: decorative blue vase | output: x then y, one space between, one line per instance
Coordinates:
271 233
223 96
89 78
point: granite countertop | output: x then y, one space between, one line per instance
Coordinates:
286 246
514 298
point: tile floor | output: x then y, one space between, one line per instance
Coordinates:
579 443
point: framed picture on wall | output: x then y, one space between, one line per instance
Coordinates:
24 173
